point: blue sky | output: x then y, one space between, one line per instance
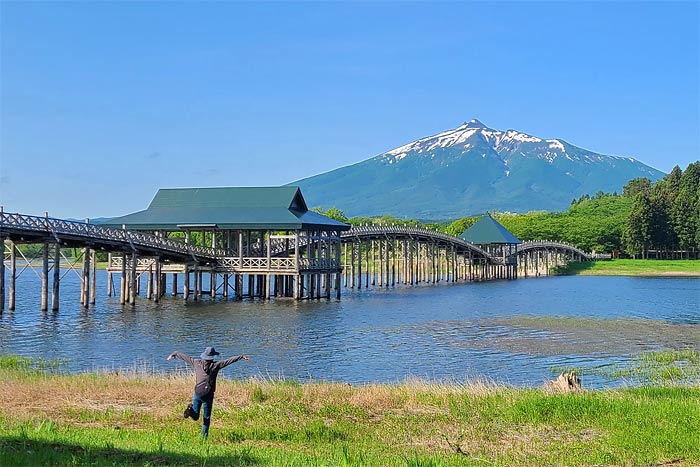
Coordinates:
102 103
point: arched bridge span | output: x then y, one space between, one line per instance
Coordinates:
364 233
574 252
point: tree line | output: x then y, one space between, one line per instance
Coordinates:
662 216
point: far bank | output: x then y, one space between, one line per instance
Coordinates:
633 267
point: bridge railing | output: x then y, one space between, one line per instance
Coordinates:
236 264
365 230
544 244
128 238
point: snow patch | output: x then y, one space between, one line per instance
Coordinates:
556 144
523 137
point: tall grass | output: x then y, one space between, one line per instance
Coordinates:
117 419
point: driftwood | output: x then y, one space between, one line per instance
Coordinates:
566 382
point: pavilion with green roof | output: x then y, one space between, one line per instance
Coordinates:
491 236
267 239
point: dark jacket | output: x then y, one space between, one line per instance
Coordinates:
206 371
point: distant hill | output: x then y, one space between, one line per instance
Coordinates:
471 169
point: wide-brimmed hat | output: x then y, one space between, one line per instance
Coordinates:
209 353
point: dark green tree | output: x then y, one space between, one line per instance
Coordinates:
636 185
333 213
685 217
637 234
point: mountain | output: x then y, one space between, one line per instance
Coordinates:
470 170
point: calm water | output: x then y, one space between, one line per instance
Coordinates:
513 332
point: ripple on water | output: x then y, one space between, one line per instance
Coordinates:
514 332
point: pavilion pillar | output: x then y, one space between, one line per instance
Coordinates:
2 273
212 283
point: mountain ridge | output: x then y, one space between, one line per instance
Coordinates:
468 170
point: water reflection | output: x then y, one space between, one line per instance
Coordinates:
504 331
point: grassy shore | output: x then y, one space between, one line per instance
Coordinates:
633 267
117 419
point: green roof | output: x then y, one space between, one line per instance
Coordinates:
486 231
276 208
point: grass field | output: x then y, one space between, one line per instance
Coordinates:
47 418
633 267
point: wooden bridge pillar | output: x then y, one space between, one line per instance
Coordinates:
373 271
56 277
186 283
359 264
393 261
122 283
85 282
110 279
387 259
345 264
132 279
13 276
352 264
93 277
45 278
158 282
174 291
149 282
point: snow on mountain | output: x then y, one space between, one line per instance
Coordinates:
471 169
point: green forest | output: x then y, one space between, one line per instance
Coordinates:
661 216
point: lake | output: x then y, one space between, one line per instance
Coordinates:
512 332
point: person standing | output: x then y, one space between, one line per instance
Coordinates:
206 369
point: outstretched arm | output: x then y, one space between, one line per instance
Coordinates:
228 361
181 356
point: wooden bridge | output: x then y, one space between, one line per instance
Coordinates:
381 256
